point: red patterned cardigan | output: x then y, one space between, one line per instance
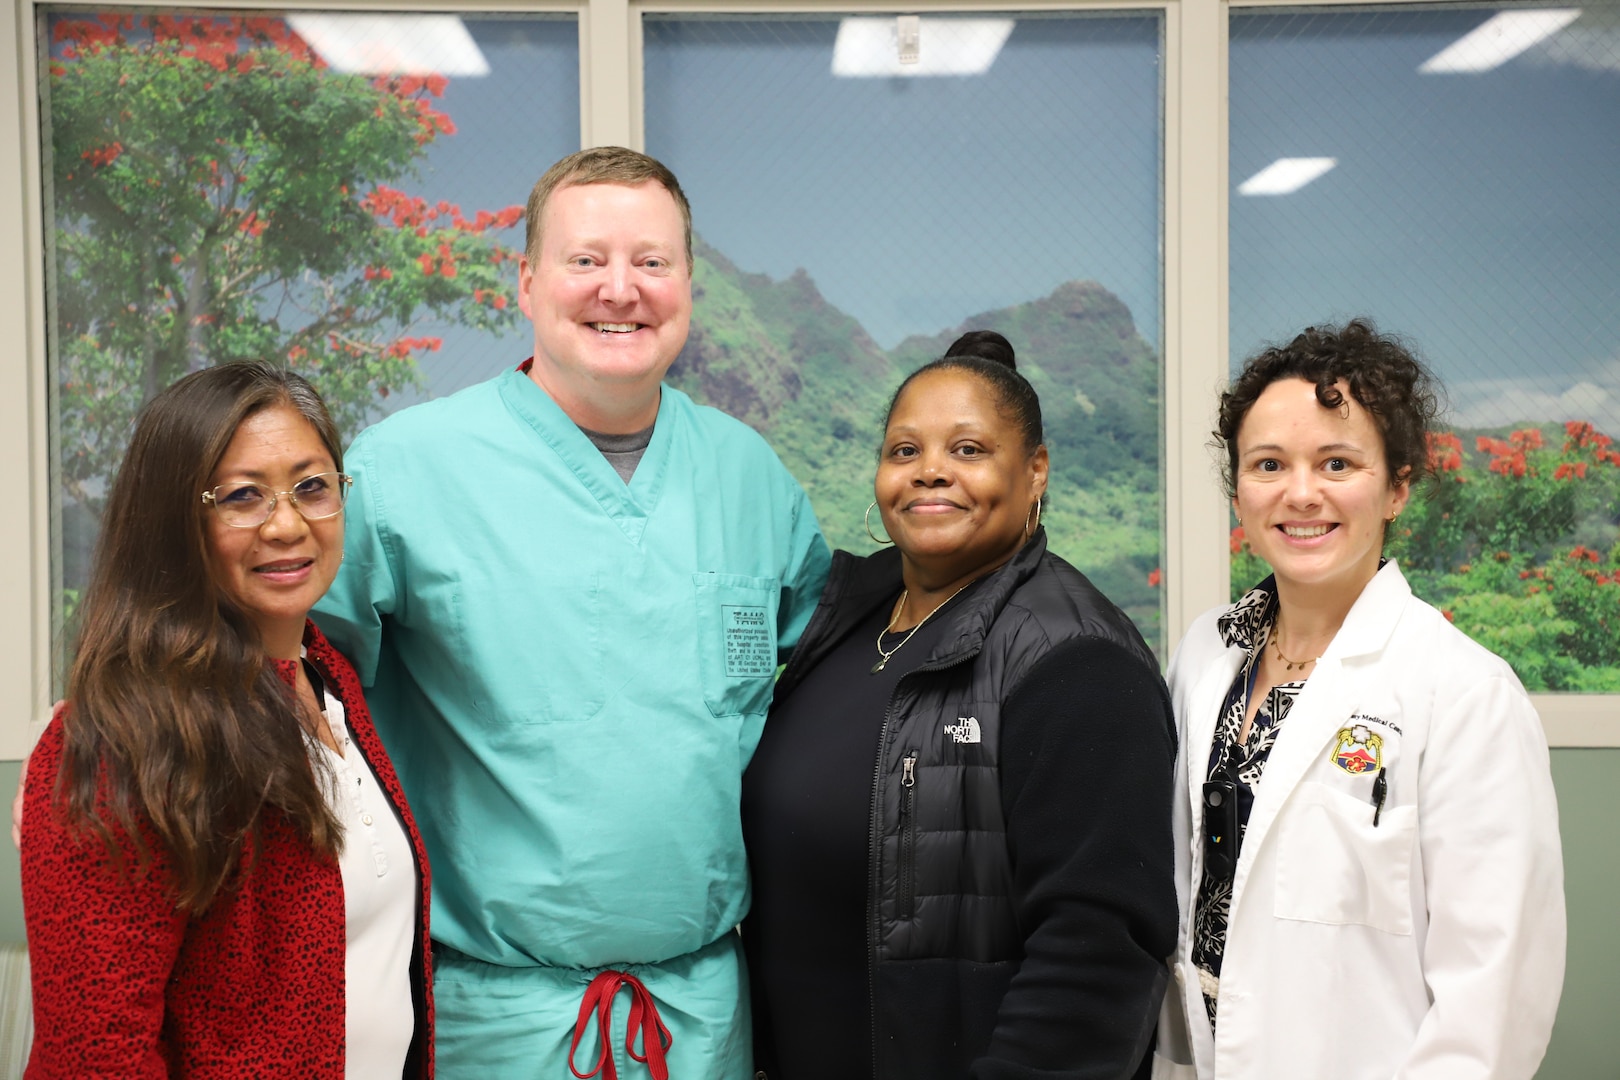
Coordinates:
126 986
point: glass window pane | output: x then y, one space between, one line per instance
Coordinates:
1453 177
338 192
857 212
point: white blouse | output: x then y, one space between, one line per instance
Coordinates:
379 900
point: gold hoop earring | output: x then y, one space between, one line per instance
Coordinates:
1036 511
867 518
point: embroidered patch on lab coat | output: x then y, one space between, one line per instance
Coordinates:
1357 750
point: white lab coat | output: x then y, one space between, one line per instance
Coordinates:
1427 947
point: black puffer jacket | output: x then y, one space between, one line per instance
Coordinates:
1021 898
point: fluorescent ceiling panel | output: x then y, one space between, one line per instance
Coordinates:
1498 40
1286 175
392 44
868 47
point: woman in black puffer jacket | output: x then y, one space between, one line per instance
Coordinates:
958 816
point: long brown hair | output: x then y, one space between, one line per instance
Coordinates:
176 714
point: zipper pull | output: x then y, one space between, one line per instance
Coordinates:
1379 793
908 771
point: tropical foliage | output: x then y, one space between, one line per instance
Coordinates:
809 377
217 194
1517 540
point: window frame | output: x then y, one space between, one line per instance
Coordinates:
1194 273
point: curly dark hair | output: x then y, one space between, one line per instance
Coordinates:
1384 378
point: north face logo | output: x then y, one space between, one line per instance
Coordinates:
965 730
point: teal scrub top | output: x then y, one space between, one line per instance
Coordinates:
570 672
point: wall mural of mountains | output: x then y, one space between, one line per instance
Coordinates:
809 378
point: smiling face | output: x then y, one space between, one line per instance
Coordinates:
1313 490
610 296
955 482
277 571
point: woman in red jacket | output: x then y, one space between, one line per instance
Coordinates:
220 875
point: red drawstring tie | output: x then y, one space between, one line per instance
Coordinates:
643 1018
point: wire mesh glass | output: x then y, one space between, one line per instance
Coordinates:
1450 172
338 192
867 187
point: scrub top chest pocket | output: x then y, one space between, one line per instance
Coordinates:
736 641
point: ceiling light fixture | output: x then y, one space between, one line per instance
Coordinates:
879 47
1286 175
392 44
1498 40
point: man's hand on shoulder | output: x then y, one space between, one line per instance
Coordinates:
17 807
22 786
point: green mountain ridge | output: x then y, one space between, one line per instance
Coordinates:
808 376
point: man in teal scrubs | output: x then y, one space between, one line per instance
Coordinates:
567 590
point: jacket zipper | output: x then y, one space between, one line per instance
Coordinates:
875 826
873 847
874 844
906 892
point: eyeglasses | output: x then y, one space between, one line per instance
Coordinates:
244 505
1220 829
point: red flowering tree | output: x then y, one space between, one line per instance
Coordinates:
219 194
1515 541
1529 495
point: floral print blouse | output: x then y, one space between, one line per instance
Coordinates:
1248 625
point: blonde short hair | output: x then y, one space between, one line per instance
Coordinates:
602 165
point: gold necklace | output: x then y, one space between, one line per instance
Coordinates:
1288 665
898 608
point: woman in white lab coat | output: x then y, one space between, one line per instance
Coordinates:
1367 837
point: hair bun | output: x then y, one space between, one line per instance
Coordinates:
985 345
